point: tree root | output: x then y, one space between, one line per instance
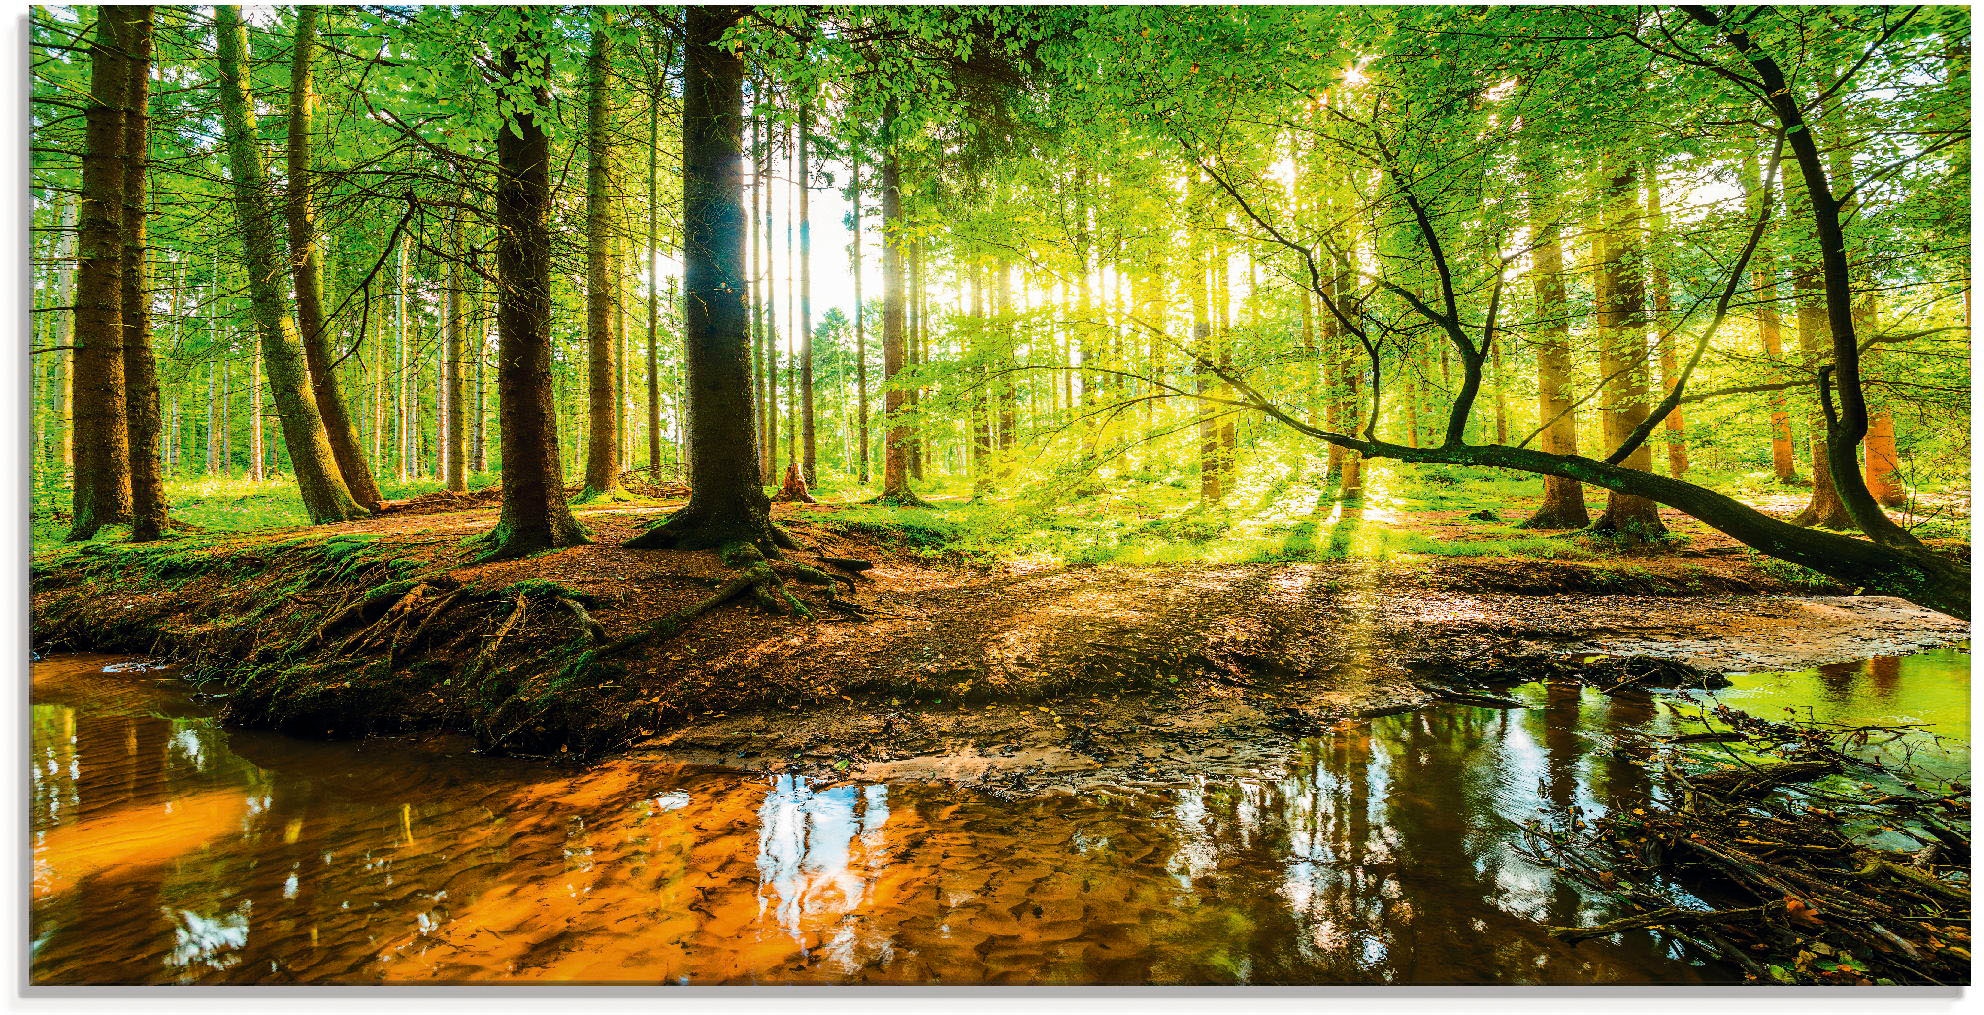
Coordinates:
755 576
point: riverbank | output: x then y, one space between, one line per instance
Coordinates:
949 665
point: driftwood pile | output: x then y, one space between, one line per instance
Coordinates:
1791 850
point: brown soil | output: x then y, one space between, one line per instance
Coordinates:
952 670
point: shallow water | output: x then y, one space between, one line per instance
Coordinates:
168 850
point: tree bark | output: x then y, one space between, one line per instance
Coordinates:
727 503
1621 299
308 261
148 504
1563 504
809 460
102 487
1663 322
325 497
534 516
860 323
454 418
602 274
1825 509
1763 274
897 447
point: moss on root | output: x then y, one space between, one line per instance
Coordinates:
348 637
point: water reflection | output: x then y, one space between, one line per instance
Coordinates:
166 850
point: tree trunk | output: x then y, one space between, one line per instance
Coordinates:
307 260
1825 509
809 459
325 497
1621 299
602 275
1763 275
1846 423
1008 347
727 503
1663 321
255 448
860 323
148 505
402 439
1212 488
913 351
535 516
654 278
454 442
68 246
897 448
102 490
479 439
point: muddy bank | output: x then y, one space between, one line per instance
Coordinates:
929 666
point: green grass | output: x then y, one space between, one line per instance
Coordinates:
1277 514
221 504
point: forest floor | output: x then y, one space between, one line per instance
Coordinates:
952 664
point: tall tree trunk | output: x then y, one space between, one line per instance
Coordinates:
654 274
535 515
68 247
402 438
256 451
479 438
307 260
913 353
602 274
1663 322
809 459
454 443
102 492
897 448
768 311
1883 462
1825 509
1763 275
981 406
860 322
727 504
1846 422
325 497
760 347
148 505
1212 487
1008 350
1563 504
1622 321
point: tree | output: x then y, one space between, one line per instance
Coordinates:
1622 353
727 507
897 438
1563 504
148 503
325 496
809 454
535 516
102 493
603 296
307 260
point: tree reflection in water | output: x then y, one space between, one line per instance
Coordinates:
168 850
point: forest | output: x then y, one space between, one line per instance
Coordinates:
764 385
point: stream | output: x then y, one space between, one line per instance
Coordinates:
167 849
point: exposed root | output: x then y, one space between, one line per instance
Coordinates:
755 577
